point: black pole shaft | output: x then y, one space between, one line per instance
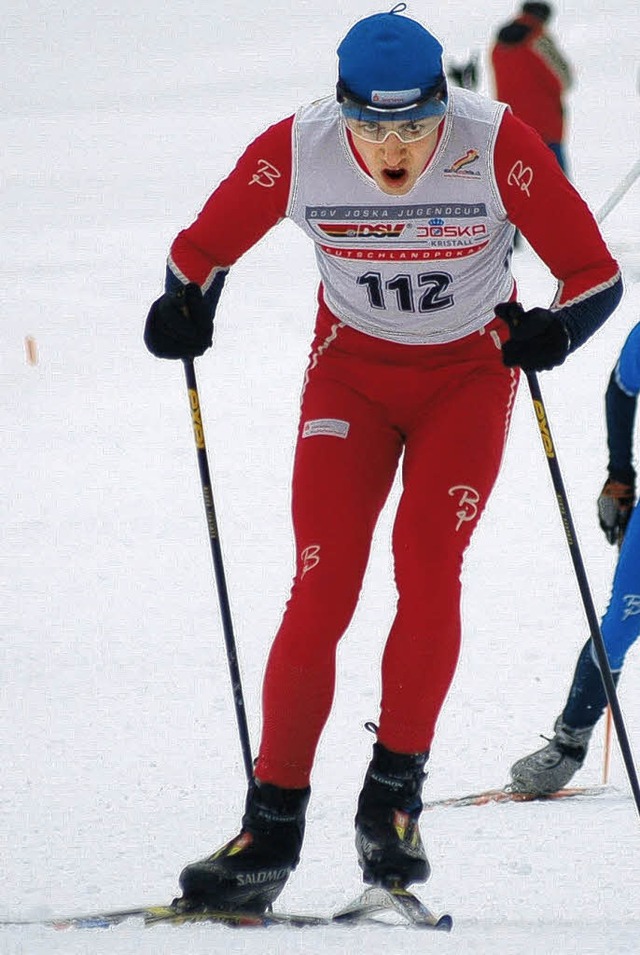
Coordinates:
583 584
218 566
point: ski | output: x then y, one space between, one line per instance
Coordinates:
512 795
370 907
378 900
174 915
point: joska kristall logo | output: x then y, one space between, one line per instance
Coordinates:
461 168
411 232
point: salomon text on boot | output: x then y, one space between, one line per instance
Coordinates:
251 870
388 842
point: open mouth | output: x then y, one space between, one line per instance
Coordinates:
395 175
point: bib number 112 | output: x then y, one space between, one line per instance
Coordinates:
433 294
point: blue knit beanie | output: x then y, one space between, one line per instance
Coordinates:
389 61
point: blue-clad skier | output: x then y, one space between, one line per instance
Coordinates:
551 768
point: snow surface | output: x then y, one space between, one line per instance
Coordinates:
118 745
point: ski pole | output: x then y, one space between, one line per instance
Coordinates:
618 193
583 584
607 728
218 566
606 762
621 189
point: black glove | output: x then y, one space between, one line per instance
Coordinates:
179 324
615 505
539 340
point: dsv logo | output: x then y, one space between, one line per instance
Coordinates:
468 501
266 175
310 558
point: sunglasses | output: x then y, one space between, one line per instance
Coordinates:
409 123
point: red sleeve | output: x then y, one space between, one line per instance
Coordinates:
251 200
549 212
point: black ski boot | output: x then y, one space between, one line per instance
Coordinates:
249 872
390 850
549 769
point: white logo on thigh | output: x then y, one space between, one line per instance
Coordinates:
310 558
333 427
631 605
468 501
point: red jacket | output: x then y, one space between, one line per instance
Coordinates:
531 75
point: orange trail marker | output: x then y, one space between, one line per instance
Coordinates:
31 349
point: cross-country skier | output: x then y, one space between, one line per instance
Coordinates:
411 193
551 768
532 75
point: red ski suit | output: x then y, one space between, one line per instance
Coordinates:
532 76
440 411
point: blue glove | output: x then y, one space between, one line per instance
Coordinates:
538 338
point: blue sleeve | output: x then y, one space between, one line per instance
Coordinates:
620 403
627 370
